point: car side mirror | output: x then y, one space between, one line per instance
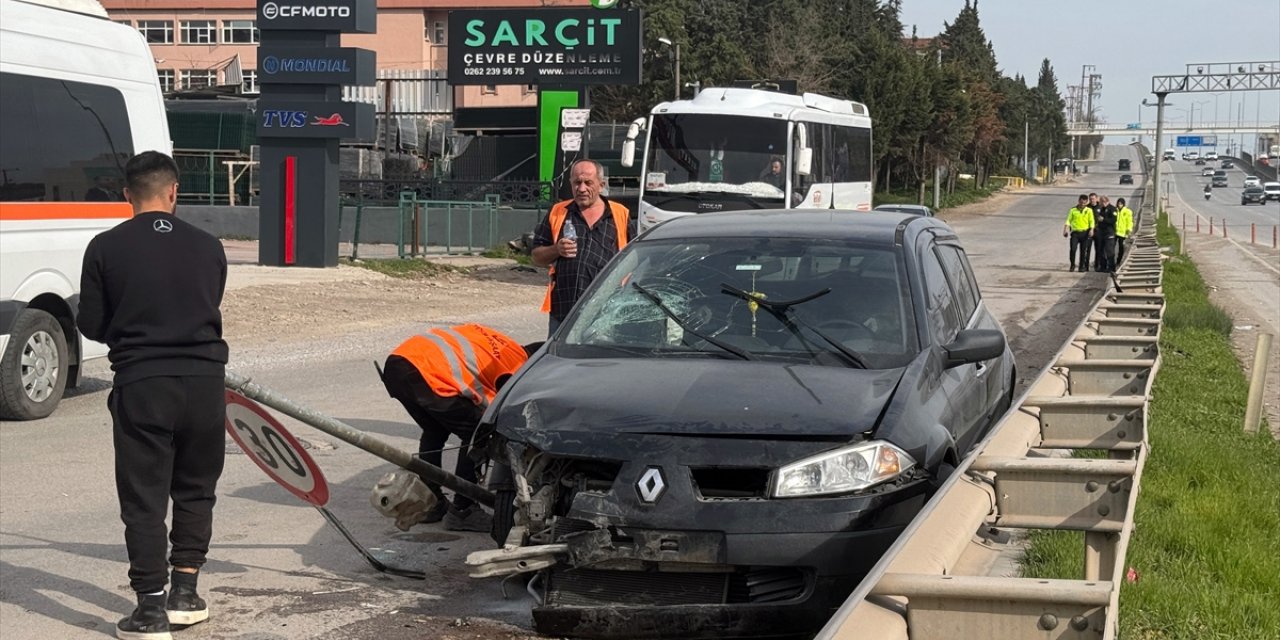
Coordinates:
974 345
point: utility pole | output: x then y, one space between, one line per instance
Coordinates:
1157 152
937 165
1026 142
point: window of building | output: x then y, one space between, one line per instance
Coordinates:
438 35
239 32
74 138
197 78
489 89
167 79
156 31
199 32
249 81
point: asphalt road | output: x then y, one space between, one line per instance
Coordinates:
277 570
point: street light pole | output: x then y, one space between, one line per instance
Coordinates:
676 46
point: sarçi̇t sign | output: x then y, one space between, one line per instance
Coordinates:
544 46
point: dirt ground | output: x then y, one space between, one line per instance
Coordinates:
359 299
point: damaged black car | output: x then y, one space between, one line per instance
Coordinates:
737 419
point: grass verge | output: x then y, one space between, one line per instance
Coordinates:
964 195
405 268
509 254
1206 546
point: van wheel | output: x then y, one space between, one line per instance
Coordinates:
33 368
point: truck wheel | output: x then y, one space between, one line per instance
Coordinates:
33 368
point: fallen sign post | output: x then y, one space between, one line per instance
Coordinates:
283 458
358 439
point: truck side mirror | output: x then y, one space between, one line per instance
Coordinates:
628 153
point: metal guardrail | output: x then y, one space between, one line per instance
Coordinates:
387 192
935 583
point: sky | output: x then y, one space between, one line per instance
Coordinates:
1128 41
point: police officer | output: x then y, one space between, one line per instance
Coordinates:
1079 227
1124 227
1104 235
151 289
445 378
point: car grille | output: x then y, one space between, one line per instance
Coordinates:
747 585
766 584
593 587
730 483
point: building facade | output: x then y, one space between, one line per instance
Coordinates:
203 43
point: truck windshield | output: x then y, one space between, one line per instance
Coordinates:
698 153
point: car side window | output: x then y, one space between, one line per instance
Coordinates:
940 303
958 274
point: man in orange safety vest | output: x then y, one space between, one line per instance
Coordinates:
576 240
445 378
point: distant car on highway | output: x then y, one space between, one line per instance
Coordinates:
913 209
1212 155
1206 172
1253 194
1272 189
1169 154
1227 164
1199 161
1126 179
1219 178
1252 181
1193 155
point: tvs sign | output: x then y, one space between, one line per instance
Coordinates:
344 16
554 46
300 119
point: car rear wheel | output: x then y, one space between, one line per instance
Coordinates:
33 368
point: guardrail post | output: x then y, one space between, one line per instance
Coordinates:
1197 223
1253 233
1224 227
1274 238
1211 225
355 233
1257 383
417 223
1099 554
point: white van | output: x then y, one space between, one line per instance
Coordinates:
79 95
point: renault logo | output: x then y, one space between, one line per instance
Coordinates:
651 485
162 226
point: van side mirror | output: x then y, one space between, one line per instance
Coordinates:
804 161
628 152
974 345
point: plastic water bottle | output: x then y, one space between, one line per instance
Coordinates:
569 231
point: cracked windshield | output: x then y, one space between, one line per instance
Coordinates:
853 294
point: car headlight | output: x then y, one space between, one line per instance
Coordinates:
842 470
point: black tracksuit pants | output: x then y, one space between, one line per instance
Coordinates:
170 443
439 417
1081 241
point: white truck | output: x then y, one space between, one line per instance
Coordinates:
735 148
79 96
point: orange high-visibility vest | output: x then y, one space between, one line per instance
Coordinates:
466 360
559 213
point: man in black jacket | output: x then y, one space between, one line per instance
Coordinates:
151 289
1104 238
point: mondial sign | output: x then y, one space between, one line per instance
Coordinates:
544 46
342 16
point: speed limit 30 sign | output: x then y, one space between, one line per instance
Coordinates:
274 449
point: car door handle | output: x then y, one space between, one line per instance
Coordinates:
980 369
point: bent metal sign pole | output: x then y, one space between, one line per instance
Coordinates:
301 118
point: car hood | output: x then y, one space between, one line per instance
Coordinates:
692 397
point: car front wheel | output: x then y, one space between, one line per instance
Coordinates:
33 368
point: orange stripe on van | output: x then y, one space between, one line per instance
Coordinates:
64 210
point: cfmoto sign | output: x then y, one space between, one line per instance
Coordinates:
271 11
340 16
